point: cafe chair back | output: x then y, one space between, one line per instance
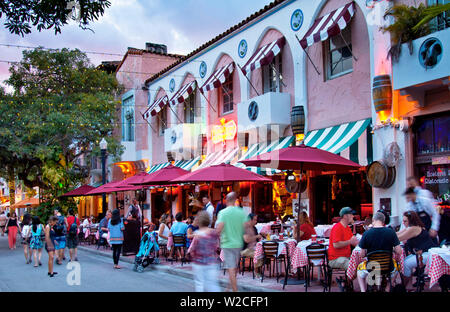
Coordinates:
317 257
420 271
276 228
179 246
384 266
270 251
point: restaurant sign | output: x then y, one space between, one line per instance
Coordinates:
444 160
227 130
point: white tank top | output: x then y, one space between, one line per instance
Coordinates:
165 231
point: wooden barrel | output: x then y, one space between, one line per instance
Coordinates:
298 120
380 175
382 93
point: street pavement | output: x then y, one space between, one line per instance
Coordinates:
97 275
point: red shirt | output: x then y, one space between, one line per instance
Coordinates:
339 234
307 230
71 219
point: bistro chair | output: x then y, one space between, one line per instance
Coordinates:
386 266
250 267
317 257
270 251
287 266
276 228
179 245
420 271
340 272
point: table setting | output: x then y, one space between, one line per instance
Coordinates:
438 264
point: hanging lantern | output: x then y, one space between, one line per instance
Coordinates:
382 93
298 120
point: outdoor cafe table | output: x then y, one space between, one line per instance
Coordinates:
259 254
356 259
299 258
438 264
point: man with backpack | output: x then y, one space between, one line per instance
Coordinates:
60 229
72 234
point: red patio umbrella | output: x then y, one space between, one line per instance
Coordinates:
125 185
80 191
105 188
301 158
162 176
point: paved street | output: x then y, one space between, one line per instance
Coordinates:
97 274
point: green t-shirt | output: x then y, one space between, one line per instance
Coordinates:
232 235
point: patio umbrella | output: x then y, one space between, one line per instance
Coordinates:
301 158
105 188
27 202
128 182
80 191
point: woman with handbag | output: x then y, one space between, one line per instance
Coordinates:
50 242
116 228
25 232
36 240
12 227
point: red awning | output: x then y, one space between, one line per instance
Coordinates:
329 25
264 55
80 191
183 93
217 78
156 107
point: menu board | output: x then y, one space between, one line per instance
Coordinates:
436 180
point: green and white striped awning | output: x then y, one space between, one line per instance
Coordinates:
183 164
261 148
96 184
351 140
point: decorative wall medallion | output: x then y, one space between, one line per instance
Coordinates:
172 85
242 48
297 20
253 111
173 137
430 53
202 69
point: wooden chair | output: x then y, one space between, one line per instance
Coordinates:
179 245
384 260
317 257
276 228
251 266
270 251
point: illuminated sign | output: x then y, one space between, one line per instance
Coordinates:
224 131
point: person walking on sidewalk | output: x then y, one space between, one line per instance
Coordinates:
203 254
36 243
12 228
61 231
25 232
72 234
50 243
230 226
116 227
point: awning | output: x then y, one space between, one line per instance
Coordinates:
217 78
260 148
183 93
347 139
264 55
329 25
155 168
219 157
183 164
156 107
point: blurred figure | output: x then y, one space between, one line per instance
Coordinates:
25 233
72 236
203 255
36 243
192 227
61 231
50 241
12 226
411 182
251 237
209 208
222 203
3 222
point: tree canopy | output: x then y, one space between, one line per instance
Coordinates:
22 15
59 110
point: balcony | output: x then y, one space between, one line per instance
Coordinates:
427 68
182 139
270 109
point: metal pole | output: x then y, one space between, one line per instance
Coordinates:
278 74
148 122
208 102
249 81
346 43
103 153
175 113
299 198
308 57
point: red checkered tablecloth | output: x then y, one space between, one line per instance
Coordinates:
436 267
259 250
356 259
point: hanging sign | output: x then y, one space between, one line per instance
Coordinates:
227 130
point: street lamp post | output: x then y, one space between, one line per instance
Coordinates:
103 147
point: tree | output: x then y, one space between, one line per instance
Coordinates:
21 15
60 109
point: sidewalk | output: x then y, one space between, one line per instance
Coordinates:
246 282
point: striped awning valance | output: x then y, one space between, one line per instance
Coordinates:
329 25
183 93
217 158
217 78
156 107
183 164
264 55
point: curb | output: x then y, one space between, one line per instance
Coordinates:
170 270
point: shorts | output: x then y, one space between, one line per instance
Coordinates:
48 248
362 269
26 241
72 242
231 257
340 263
60 242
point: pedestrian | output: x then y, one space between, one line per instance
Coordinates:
208 207
50 242
203 255
25 232
421 192
3 222
230 226
116 228
12 228
36 243
72 234
61 231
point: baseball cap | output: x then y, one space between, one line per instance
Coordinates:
346 210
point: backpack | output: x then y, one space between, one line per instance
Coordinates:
73 228
59 226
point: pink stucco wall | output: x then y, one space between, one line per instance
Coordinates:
213 117
348 97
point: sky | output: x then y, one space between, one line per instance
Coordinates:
182 25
